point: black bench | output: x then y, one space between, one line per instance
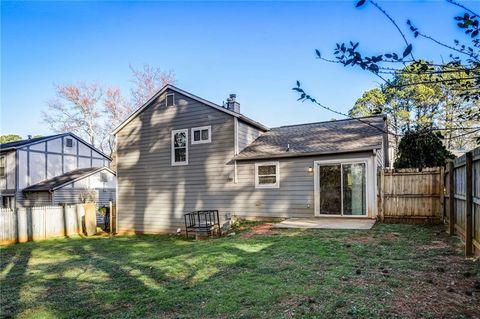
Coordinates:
205 222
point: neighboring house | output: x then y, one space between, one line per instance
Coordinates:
179 153
57 169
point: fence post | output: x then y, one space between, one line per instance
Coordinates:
451 199
382 192
469 205
110 212
442 191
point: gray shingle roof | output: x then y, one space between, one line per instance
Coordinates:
57 181
339 136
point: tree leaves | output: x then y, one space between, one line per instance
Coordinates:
360 3
408 50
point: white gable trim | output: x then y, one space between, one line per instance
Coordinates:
193 97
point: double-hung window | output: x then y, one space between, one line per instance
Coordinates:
201 135
180 147
267 175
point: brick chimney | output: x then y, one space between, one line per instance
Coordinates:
232 104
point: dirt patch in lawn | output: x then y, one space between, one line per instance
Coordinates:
262 229
445 291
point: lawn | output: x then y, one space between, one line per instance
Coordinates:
391 271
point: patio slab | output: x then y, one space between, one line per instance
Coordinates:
327 223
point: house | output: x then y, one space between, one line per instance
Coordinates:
52 170
180 153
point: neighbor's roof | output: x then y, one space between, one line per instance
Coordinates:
65 179
341 136
18 144
194 97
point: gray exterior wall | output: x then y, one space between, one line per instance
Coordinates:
246 134
47 159
295 196
153 195
7 183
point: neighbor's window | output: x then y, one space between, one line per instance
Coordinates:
180 147
170 99
201 135
69 142
2 166
267 175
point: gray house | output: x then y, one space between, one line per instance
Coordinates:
51 170
179 153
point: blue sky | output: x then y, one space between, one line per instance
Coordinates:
254 49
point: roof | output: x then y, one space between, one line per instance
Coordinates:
340 136
18 144
194 97
64 179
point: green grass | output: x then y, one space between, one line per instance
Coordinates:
390 271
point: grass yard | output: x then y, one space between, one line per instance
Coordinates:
402 271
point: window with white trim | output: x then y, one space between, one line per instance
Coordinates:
267 175
180 147
170 99
201 135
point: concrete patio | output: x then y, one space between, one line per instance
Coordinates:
327 223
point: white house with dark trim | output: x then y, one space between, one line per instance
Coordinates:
51 170
179 153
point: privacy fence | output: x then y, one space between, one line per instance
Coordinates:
411 195
36 223
462 199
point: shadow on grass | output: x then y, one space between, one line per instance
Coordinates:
285 274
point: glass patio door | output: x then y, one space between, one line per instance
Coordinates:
343 189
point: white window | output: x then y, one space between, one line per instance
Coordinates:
267 175
201 135
170 99
2 166
180 147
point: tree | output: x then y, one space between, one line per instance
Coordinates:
432 105
418 80
76 109
422 148
148 81
371 102
93 111
9 138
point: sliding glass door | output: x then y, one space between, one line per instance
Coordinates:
342 189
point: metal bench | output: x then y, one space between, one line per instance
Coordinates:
202 222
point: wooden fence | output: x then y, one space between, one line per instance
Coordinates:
410 195
462 199
35 223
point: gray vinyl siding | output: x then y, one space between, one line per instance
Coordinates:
68 195
246 134
36 199
49 158
380 158
153 195
294 197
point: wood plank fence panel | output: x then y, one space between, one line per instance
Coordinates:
36 223
466 197
411 195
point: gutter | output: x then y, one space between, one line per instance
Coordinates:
288 155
